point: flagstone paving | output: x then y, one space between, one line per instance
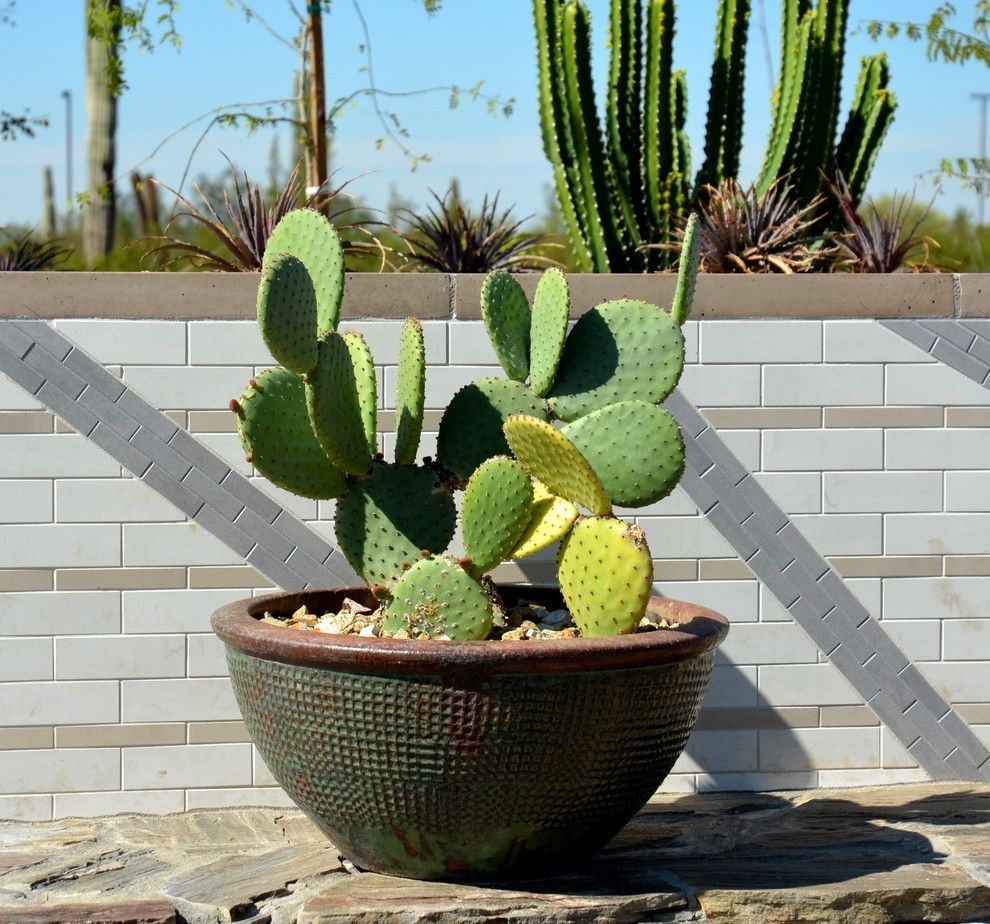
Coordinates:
887 855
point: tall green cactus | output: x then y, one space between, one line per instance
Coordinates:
626 185
310 427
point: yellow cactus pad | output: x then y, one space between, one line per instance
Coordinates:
606 576
550 519
551 457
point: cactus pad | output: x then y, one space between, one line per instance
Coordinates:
384 522
687 271
471 427
311 239
438 597
551 457
496 510
410 392
606 576
505 311
548 329
287 313
636 449
550 519
619 351
336 409
276 434
363 364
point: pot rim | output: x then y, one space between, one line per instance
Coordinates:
238 625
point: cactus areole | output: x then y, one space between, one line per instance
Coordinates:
446 744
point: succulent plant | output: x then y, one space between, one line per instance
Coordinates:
542 456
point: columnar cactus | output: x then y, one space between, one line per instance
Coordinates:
542 457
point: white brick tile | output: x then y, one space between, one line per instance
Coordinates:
768 643
207 656
966 639
60 613
756 782
867 341
302 507
870 777
759 341
882 492
867 590
192 765
60 771
228 447
26 808
967 491
692 341
469 345
936 598
110 500
805 685
441 382
937 449
959 681
793 492
221 343
53 455
732 686
202 700
684 537
121 342
824 385
737 600
26 501
15 398
935 383
722 386
174 544
59 546
119 657
745 446
675 504
919 639
937 534
719 751
60 703
26 659
842 534
231 798
199 387
678 782
814 450
262 775
383 339
819 748
144 802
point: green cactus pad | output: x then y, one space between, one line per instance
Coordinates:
636 449
687 271
312 239
437 596
384 522
496 510
551 457
548 329
505 311
410 392
619 351
606 576
276 434
367 385
336 409
471 427
287 312
550 519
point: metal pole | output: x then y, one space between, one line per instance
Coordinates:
982 192
67 96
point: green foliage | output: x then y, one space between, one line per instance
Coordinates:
497 505
410 392
505 311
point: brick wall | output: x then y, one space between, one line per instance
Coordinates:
113 695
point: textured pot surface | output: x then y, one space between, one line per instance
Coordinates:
467 760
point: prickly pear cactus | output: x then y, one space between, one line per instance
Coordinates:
505 311
550 519
548 329
287 312
410 392
497 505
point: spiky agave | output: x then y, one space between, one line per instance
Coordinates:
22 254
310 427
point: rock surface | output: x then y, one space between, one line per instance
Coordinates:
893 855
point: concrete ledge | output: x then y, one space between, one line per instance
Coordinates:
438 295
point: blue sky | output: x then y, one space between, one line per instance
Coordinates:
225 60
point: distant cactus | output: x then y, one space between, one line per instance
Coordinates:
309 426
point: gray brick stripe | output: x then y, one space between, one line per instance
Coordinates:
962 344
167 459
814 594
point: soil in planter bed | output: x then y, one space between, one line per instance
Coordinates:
522 622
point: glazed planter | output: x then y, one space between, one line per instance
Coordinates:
477 761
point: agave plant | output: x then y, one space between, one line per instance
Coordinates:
872 241
21 254
452 238
244 233
744 231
